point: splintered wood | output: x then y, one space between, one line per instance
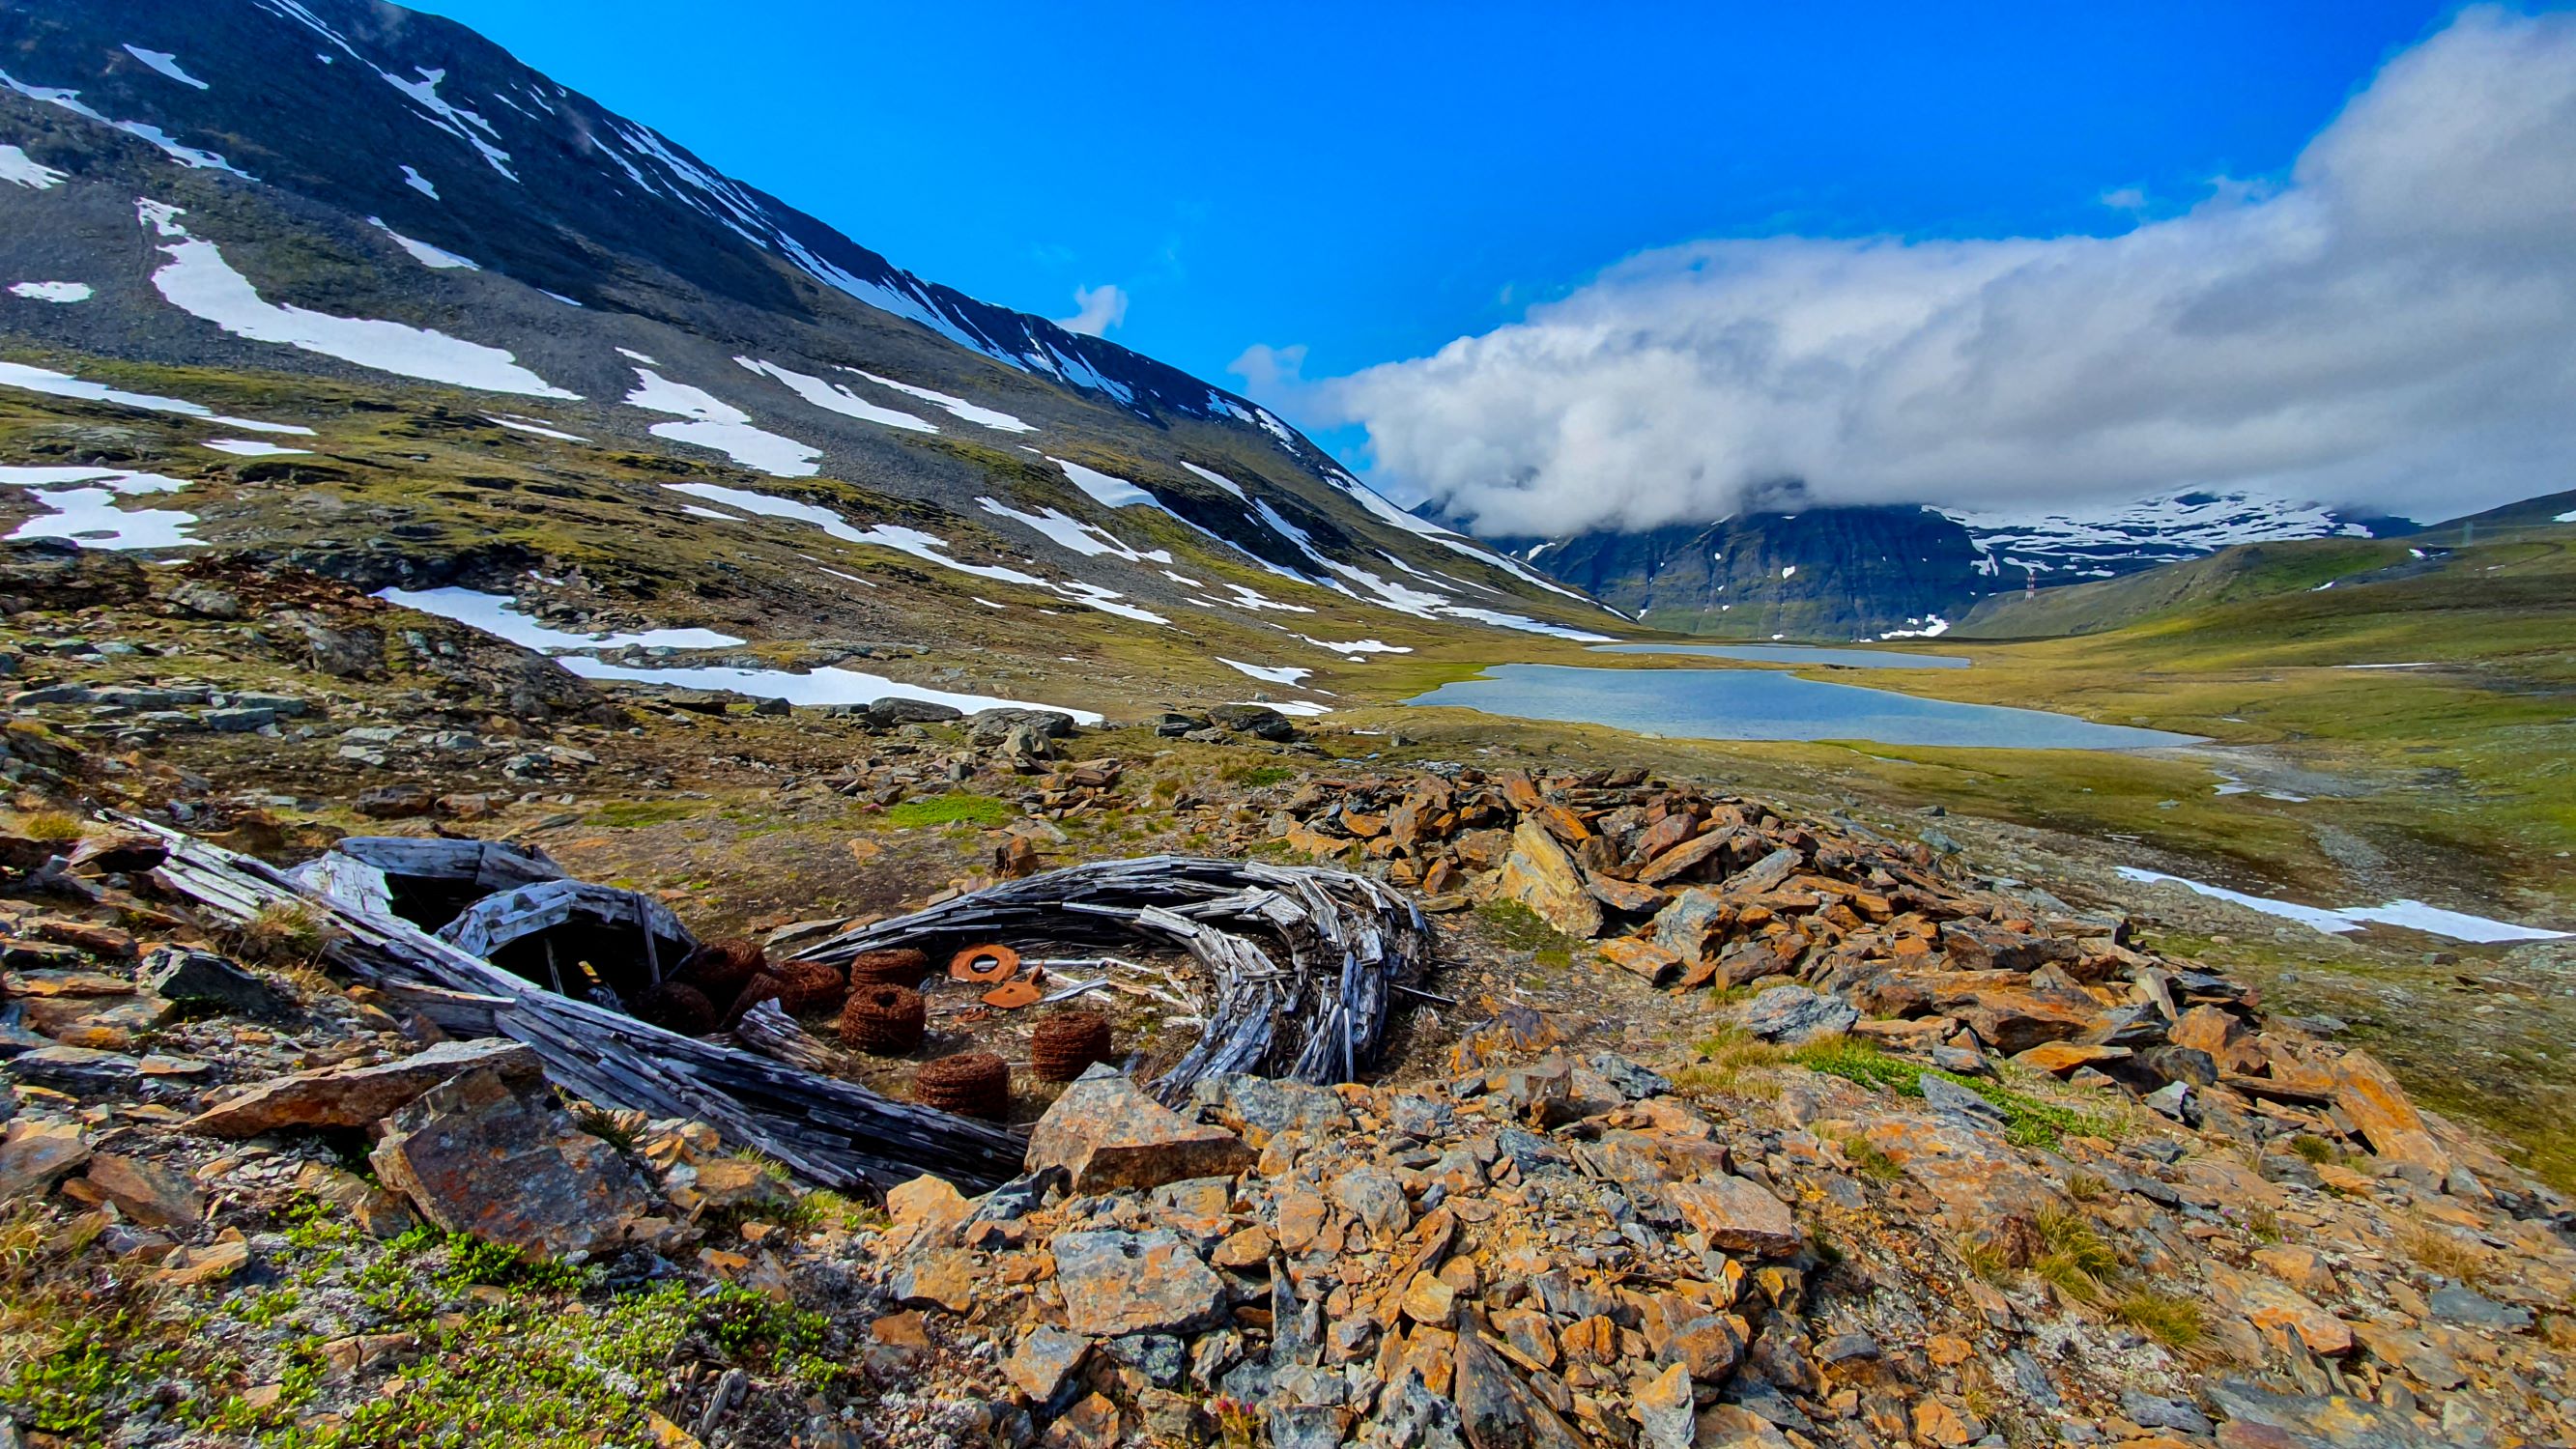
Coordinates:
1302 963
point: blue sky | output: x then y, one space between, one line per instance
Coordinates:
1373 180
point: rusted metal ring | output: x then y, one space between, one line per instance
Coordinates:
984 965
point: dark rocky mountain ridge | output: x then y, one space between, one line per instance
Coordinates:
1858 572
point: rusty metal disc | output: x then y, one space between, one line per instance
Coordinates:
984 965
1012 995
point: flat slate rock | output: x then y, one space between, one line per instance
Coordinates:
362 1096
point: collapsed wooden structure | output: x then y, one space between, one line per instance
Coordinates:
1318 1013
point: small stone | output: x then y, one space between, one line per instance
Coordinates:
149 1192
202 978
478 1155
186 1267
1046 1357
77 1069
1738 1215
931 1206
941 1278
1428 1300
36 1154
1372 1195
1664 1407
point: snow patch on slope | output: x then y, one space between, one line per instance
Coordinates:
82 508
20 169
717 425
957 407
423 252
832 397
197 280
63 384
166 63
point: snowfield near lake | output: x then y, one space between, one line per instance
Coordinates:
52 291
719 426
198 281
1273 673
820 686
2413 915
83 501
63 384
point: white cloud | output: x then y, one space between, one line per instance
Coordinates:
2393 324
1098 310
1270 374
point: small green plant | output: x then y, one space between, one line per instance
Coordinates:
635 814
738 1319
955 809
74 1390
609 1127
2169 1320
473 1261
2313 1149
1237 1424
2264 1223
1870 1159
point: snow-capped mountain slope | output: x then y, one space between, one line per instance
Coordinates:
351 190
2126 538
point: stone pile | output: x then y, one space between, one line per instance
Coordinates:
1568 1252
1837 929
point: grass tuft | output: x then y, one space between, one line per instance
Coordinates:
957 809
285 933
2169 1320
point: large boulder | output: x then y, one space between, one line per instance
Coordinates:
989 727
502 1161
1542 876
1259 721
888 713
362 1096
1108 1135
1794 1014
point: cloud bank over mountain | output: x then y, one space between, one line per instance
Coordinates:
2393 324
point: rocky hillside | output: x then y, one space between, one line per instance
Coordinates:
1896 572
1719 1121
437 320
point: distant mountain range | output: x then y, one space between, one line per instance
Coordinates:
1897 571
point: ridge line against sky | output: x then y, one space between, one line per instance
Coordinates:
1371 186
